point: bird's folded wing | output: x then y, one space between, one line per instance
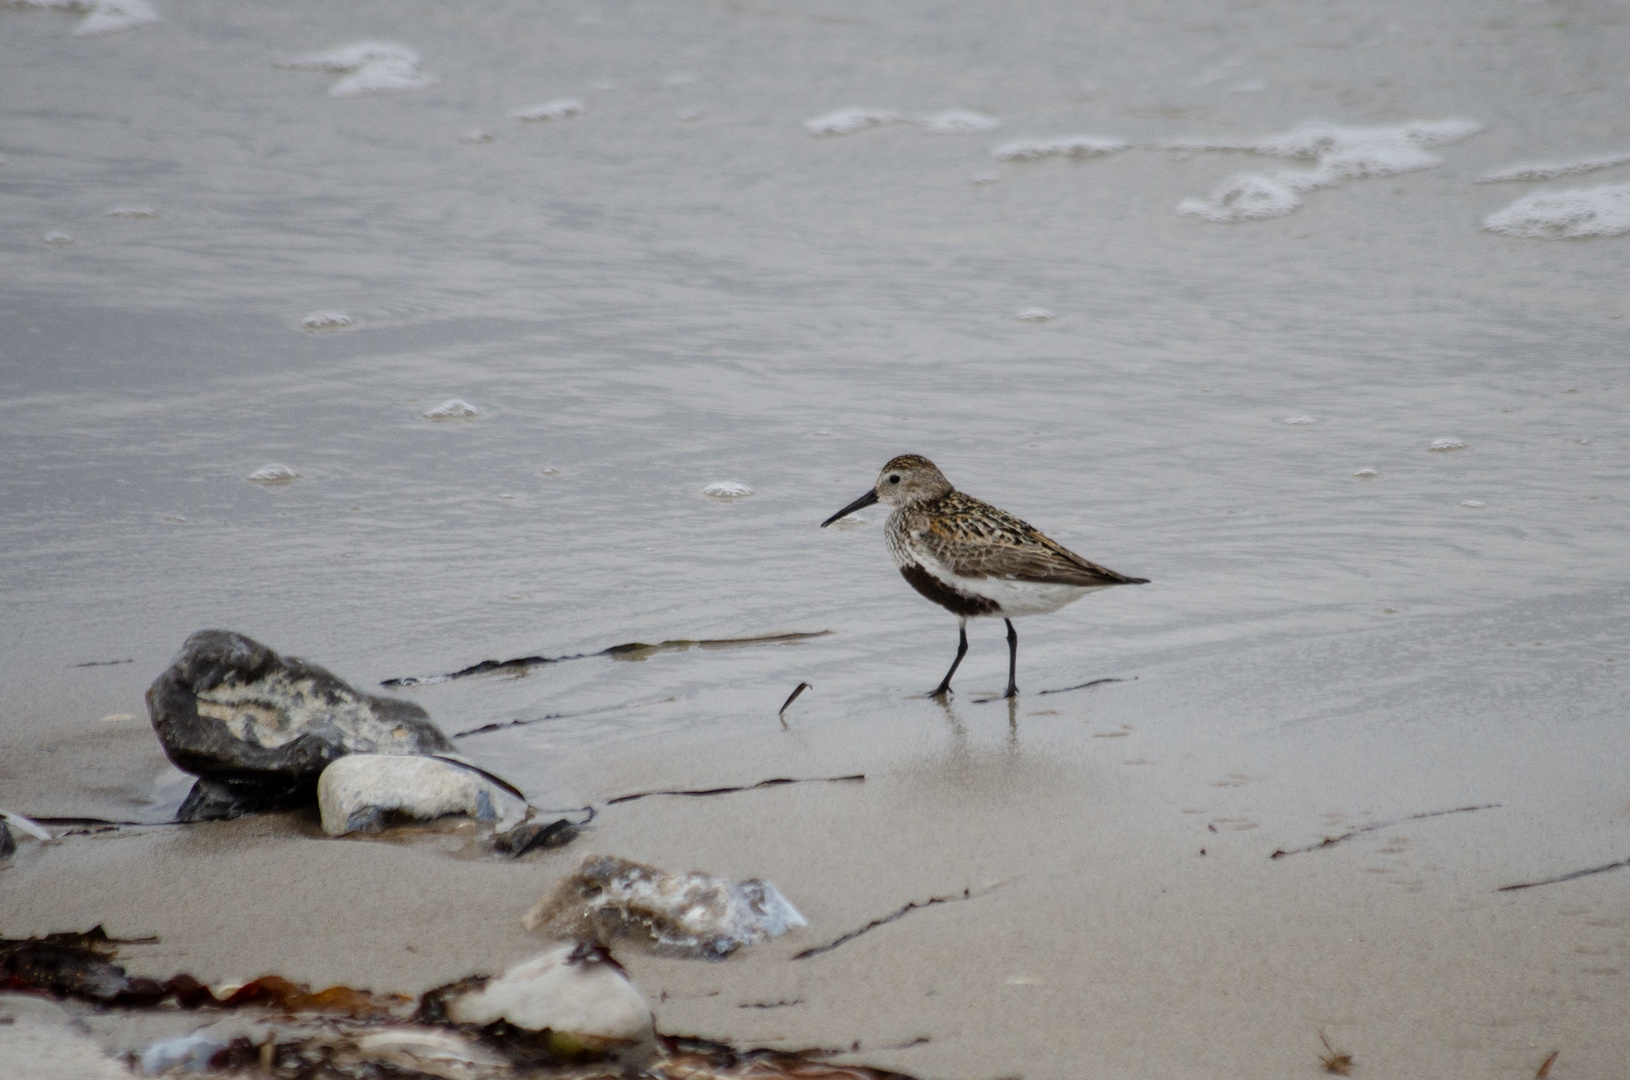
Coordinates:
1019 553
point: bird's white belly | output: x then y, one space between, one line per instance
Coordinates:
1014 598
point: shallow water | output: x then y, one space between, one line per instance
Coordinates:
678 285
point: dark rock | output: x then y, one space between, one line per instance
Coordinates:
223 800
535 836
233 710
8 843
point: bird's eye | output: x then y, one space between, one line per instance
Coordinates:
895 479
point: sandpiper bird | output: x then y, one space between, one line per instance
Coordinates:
974 560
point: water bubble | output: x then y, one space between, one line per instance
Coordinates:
1366 474
327 320
453 409
130 212
57 238
273 474
1063 146
1034 314
549 110
727 489
1475 504
1443 446
1299 421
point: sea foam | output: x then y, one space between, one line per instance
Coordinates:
1339 154
1550 170
101 16
1061 146
1565 215
950 122
549 110
375 67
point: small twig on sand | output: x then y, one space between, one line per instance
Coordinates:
799 689
967 894
1336 1061
1621 864
774 782
1545 1069
1083 686
1331 841
631 650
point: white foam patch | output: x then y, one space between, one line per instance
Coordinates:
1565 215
1550 170
327 320
1339 154
130 212
1062 146
101 16
549 110
275 473
60 239
727 489
454 409
376 67
959 122
1443 446
848 121
1366 474
1299 421
1034 314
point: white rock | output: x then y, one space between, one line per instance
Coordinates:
360 792
573 989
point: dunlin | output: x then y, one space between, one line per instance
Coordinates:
974 560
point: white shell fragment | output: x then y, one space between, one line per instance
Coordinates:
453 409
727 489
273 474
692 915
573 989
361 792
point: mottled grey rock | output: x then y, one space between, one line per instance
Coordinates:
368 792
231 709
8 843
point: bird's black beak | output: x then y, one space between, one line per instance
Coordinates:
864 501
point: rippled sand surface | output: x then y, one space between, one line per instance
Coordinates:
404 336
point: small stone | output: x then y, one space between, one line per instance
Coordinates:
535 836
223 800
691 915
369 792
575 992
231 709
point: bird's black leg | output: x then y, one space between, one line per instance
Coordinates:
1012 659
961 651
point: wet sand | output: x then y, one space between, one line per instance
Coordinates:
1081 929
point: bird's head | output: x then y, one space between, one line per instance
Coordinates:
905 481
